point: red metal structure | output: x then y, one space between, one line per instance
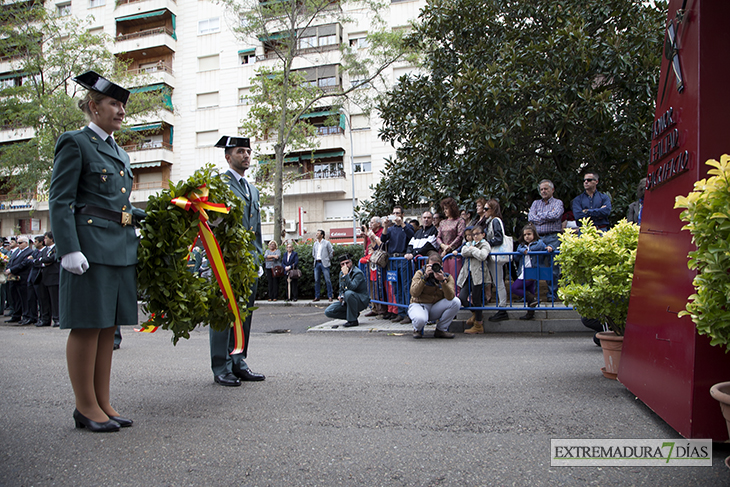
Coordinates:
665 362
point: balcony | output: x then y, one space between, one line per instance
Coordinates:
332 183
10 133
146 31
126 8
153 73
18 201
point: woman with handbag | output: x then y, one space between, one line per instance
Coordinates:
291 263
274 269
496 238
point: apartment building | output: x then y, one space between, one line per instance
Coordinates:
188 49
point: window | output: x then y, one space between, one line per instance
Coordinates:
209 26
207 138
362 165
96 3
96 31
247 57
267 214
206 100
359 81
328 81
328 40
243 94
359 42
338 210
307 42
325 170
152 142
209 63
63 9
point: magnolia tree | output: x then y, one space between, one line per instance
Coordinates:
597 269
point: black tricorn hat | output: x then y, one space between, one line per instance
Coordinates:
344 257
227 142
95 82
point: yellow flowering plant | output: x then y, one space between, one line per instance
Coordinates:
597 269
707 213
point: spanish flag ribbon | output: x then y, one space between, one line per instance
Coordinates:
197 200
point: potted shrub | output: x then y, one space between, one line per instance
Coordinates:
707 213
596 273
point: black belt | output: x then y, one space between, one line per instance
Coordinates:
318 260
121 217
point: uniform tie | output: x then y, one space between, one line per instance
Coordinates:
112 144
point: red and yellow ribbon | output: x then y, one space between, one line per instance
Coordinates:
197 200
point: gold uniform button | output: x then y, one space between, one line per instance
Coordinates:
103 170
124 207
124 190
89 221
121 173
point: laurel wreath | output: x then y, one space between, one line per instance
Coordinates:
176 299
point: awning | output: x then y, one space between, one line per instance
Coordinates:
319 114
323 155
143 165
142 89
275 36
156 13
151 126
247 51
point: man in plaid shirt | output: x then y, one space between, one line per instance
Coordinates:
545 214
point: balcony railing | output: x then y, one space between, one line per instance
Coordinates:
157 68
26 196
145 33
124 2
146 146
151 185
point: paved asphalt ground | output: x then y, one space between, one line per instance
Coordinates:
371 408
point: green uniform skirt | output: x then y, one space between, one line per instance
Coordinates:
101 297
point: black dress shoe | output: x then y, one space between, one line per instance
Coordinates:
315 300
351 323
42 324
84 422
123 422
228 380
13 320
500 315
55 324
116 346
249 376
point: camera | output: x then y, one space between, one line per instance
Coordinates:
436 268
392 217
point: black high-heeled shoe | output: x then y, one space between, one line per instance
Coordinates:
123 422
84 422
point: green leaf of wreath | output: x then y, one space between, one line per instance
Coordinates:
176 299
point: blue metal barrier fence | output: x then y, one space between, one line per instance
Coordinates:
390 286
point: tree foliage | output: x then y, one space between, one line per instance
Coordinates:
707 213
524 90
37 97
280 94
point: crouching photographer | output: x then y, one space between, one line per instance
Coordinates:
433 299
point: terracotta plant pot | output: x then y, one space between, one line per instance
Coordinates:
721 393
611 344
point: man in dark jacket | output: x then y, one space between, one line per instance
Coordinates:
35 299
353 294
49 274
18 270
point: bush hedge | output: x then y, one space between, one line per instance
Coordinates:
306 265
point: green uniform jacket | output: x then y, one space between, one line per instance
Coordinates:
355 281
252 210
88 171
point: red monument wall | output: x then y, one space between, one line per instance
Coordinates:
665 363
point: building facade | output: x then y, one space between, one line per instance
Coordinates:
188 49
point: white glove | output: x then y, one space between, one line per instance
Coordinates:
261 271
75 263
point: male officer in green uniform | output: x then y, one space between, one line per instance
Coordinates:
353 294
230 370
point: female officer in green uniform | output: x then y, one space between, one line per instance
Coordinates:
91 218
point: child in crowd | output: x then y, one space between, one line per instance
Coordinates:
473 275
467 239
529 242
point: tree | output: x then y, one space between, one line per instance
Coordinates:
281 95
38 96
525 90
